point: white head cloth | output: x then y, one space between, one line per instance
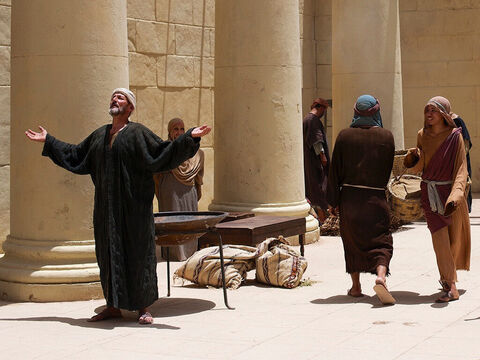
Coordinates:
128 93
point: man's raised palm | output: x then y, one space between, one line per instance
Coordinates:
37 136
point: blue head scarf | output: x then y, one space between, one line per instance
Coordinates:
366 112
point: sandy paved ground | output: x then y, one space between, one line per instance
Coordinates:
310 322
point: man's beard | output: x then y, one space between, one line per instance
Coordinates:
114 111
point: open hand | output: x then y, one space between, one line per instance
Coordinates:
35 136
201 131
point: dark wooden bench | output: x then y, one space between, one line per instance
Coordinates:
253 230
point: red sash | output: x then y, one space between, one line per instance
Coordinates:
440 168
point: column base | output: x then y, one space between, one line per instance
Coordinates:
10 291
42 271
310 238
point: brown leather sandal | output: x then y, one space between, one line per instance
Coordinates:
449 296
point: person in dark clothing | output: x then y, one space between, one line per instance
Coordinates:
316 157
121 158
362 160
468 145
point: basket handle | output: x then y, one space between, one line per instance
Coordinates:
399 176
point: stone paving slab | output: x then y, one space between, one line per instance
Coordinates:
310 322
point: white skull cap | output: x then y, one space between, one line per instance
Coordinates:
128 93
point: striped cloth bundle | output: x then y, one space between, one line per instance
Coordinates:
277 264
203 267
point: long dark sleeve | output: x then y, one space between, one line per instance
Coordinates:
334 175
71 157
158 155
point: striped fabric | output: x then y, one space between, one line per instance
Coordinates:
203 267
277 265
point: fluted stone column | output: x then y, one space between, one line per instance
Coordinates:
366 60
258 131
67 57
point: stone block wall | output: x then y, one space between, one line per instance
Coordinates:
171 64
5 11
171 51
440 44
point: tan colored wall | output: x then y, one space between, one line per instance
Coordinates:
308 46
323 36
171 52
316 46
440 41
367 60
171 48
5 6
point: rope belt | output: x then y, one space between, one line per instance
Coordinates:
433 197
364 187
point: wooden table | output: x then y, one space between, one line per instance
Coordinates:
237 215
253 230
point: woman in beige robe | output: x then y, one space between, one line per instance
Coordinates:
180 190
440 156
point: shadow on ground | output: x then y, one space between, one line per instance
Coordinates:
171 306
162 308
401 297
109 324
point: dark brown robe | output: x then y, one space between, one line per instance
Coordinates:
363 157
315 173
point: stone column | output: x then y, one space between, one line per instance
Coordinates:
366 60
258 103
67 57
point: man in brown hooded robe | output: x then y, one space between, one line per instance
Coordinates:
362 161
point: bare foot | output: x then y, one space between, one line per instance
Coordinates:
145 318
108 313
450 295
381 281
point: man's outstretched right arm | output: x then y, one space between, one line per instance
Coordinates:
74 158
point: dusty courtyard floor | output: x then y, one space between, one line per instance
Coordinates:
310 322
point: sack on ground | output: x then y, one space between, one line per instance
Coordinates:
279 264
203 267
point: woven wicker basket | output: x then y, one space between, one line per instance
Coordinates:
398 166
407 210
